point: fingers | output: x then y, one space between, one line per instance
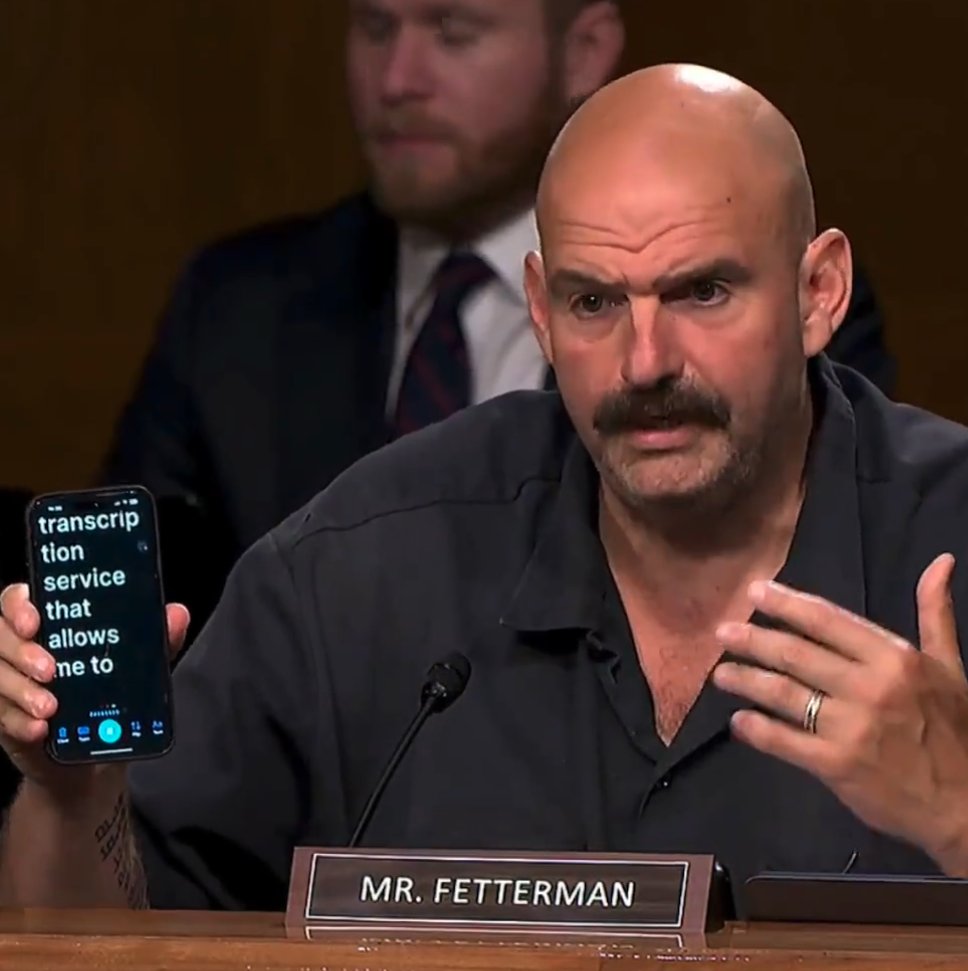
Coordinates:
771 737
20 728
776 693
937 629
807 662
25 705
22 692
821 621
18 626
19 612
178 620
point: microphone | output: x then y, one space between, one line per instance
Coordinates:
444 684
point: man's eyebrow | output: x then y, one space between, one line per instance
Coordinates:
568 281
458 8
565 281
725 269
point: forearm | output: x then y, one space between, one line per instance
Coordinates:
76 852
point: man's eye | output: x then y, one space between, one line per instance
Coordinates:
707 292
456 31
375 26
590 304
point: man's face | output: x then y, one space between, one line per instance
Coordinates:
455 101
668 304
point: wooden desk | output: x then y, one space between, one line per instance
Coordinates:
159 941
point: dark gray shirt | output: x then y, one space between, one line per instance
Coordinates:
479 535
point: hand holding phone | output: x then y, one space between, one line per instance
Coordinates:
25 703
95 581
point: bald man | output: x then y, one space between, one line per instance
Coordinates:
705 588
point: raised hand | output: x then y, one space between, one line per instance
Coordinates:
883 724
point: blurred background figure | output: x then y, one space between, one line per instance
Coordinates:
289 351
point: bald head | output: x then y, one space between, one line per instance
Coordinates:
673 122
680 291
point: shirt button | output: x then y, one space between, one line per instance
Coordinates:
664 782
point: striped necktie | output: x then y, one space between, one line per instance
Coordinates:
437 377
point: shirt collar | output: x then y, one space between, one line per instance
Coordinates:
562 585
826 557
502 248
564 581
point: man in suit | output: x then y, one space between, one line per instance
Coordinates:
289 351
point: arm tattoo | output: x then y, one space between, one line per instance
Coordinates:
116 843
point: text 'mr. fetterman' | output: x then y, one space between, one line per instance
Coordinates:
483 891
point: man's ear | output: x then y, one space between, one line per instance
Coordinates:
537 292
826 275
593 46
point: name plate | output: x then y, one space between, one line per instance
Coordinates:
585 894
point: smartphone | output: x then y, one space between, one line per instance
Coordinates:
95 578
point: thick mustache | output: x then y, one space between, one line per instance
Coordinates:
642 409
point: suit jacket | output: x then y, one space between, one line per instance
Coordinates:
268 378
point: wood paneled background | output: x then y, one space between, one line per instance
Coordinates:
132 131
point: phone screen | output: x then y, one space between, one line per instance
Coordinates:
96 581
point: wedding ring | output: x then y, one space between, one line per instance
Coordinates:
812 711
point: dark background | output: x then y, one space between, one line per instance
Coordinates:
135 130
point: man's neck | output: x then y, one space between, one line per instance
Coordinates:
692 577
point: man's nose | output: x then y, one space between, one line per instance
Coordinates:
651 350
407 74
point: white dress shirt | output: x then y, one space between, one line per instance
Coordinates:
502 350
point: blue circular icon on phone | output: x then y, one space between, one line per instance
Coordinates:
109 731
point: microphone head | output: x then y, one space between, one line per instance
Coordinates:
446 681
